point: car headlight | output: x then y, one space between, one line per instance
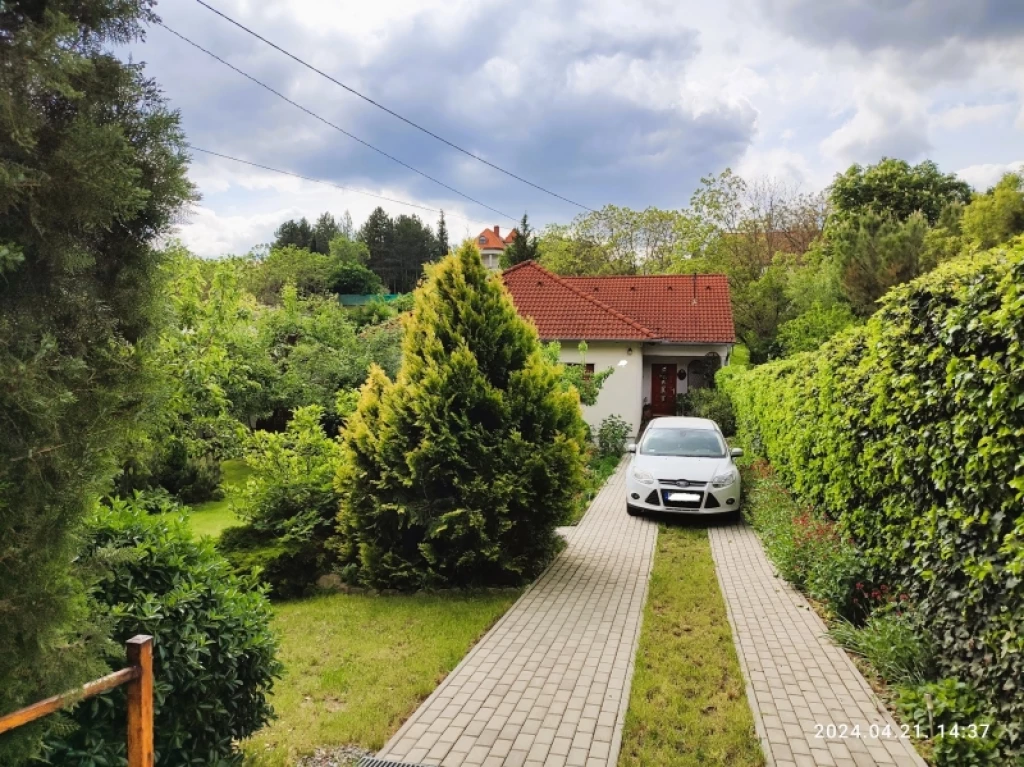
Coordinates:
643 477
724 480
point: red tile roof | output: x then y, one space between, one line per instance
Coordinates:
671 308
492 239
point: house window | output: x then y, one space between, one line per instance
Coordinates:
482 240
588 369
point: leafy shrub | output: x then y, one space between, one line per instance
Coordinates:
808 331
612 435
893 642
354 279
289 504
214 655
936 708
708 403
808 550
574 375
907 430
457 472
284 566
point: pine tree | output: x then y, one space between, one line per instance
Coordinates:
92 170
298 233
325 230
378 234
457 472
523 246
443 247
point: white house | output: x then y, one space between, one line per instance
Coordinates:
491 245
658 332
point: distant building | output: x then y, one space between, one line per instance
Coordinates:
491 245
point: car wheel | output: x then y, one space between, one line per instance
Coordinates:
633 511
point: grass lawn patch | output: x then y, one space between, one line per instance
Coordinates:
688 704
598 469
212 517
357 665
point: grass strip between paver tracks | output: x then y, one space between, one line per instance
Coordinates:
688 704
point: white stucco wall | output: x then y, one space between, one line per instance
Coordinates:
620 394
625 391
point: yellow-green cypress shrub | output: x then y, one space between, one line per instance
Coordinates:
457 472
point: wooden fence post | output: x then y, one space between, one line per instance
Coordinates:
140 702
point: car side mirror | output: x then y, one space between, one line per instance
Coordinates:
631 447
736 452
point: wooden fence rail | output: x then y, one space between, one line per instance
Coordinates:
138 678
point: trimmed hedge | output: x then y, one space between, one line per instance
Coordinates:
909 431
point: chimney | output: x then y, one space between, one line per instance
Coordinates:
497 231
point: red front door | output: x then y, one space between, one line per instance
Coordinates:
663 389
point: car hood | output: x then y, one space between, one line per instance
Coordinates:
675 467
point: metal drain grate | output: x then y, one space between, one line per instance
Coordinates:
369 761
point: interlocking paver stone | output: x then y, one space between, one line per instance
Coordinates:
797 679
558 665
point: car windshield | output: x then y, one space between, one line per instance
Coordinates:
687 443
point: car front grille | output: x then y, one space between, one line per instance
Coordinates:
685 483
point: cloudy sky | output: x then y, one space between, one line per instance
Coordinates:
603 101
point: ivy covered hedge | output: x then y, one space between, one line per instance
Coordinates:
909 430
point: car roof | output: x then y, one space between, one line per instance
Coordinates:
682 422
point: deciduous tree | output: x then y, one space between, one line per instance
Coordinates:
896 189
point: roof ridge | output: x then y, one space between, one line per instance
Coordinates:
615 313
639 276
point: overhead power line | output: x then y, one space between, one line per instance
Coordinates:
391 112
195 148
327 122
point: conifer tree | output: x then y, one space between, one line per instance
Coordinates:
92 170
457 472
523 247
443 245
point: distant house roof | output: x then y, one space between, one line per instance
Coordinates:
491 239
667 308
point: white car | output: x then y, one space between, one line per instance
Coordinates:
682 466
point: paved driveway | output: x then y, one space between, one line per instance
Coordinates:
549 683
812 707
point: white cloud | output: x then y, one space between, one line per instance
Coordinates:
963 115
601 100
784 165
981 177
889 120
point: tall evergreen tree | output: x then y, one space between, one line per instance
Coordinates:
378 234
443 247
523 247
325 230
457 472
414 245
92 170
298 233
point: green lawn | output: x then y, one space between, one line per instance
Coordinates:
688 705
212 517
356 665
